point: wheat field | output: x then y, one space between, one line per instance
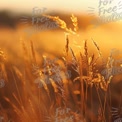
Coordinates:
60 75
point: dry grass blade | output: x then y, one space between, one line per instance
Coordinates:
75 64
100 54
67 45
3 73
92 60
77 78
73 55
33 52
24 49
85 48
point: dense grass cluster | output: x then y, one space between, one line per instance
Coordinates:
69 89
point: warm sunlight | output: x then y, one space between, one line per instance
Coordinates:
60 61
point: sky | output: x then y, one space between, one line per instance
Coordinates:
79 6
52 5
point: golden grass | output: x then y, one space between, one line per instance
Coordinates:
34 93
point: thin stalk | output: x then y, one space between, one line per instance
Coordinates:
105 103
82 87
109 94
100 103
120 100
17 88
85 102
39 96
91 102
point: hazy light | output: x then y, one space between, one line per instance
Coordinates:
60 5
